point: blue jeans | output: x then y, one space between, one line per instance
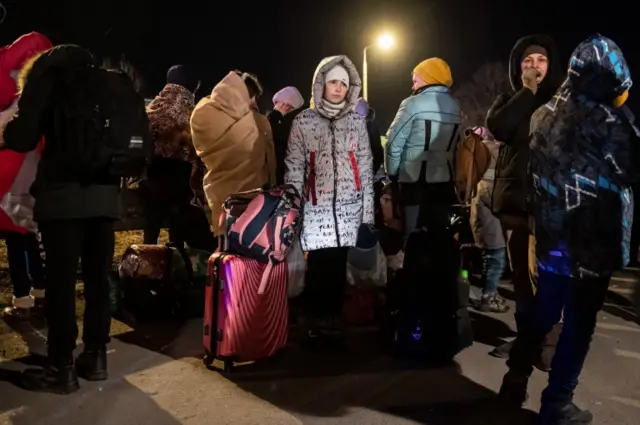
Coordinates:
580 300
493 264
25 264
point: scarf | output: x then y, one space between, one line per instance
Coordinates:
331 110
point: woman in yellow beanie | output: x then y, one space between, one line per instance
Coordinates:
421 146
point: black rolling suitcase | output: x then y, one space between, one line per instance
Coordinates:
429 314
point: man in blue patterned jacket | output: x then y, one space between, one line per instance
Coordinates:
581 206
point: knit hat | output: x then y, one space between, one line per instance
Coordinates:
534 49
338 73
182 76
289 95
434 71
362 107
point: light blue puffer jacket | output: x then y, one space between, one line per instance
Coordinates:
432 115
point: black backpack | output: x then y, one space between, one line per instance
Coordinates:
107 126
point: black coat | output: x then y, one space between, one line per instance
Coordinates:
281 127
509 120
59 193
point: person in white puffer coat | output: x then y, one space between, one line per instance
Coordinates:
329 162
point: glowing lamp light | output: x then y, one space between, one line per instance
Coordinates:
386 41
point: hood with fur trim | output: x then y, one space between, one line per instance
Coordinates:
319 79
13 57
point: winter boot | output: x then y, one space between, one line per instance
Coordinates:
92 364
60 378
502 351
513 391
563 413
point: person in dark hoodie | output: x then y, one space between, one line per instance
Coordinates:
287 103
579 186
76 204
365 110
167 190
535 72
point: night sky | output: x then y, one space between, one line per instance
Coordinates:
283 41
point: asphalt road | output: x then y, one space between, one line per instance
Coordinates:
360 385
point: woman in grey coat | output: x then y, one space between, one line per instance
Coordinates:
329 162
488 234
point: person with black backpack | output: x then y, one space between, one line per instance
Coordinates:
96 133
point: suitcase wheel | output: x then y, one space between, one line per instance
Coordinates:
207 359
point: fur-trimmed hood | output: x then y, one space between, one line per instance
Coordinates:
319 79
13 58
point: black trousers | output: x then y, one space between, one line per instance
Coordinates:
25 263
187 223
65 242
325 282
156 215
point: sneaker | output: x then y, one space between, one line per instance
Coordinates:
51 379
92 365
493 304
502 351
16 313
562 413
513 390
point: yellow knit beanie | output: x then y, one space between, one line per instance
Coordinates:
434 71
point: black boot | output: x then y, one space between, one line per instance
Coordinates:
56 379
502 351
92 365
514 389
563 413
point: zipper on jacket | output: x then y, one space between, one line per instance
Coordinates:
335 179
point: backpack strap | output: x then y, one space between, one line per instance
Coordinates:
311 181
354 167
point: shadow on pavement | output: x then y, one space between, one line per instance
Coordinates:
152 335
489 330
92 404
332 382
478 412
620 306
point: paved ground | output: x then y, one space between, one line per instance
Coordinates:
169 385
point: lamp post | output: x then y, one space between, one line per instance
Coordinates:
385 41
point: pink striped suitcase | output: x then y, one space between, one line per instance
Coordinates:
241 325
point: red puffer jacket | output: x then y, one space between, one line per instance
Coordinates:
12 58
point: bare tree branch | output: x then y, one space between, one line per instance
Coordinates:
478 94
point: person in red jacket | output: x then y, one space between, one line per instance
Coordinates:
23 252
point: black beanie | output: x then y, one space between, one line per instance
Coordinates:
182 76
534 48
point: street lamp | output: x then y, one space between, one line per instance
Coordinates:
384 42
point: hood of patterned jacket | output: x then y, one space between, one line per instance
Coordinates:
580 166
319 80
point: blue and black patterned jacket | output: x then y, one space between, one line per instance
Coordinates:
580 167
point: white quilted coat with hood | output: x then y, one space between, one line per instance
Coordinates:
343 165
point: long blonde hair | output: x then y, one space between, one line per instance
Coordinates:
25 71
